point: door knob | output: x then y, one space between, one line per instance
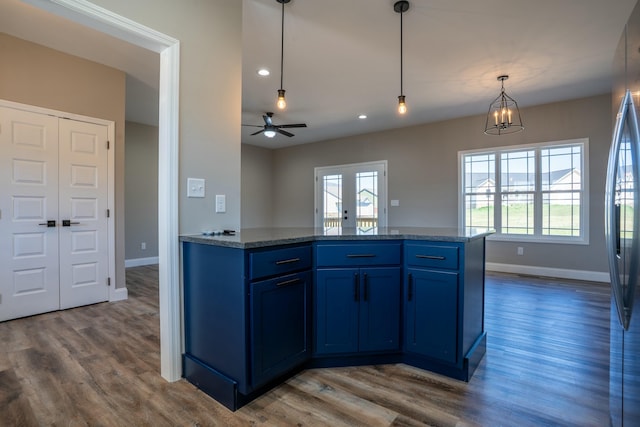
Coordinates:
68 223
49 223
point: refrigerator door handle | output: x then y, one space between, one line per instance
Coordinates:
623 279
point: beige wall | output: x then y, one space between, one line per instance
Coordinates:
423 174
210 35
257 193
141 191
35 75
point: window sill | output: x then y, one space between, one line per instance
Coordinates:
538 239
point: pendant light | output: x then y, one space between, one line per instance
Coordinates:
281 103
401 7
504 115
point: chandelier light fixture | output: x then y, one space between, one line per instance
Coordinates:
401 7
281 103
504 115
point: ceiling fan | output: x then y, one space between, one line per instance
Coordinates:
270 130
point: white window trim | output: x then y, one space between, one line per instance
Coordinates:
383 216
584 208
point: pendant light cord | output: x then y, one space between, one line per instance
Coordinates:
401 62
282 45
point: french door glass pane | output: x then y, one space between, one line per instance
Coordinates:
366 201
332 202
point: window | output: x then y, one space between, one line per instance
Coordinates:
535 192
351 196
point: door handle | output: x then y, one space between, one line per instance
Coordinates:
68 223
49 223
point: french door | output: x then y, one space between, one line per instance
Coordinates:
54 248
351 197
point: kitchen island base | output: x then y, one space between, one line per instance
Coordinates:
257 313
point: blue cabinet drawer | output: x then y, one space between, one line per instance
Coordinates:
358 254
432 256
279 261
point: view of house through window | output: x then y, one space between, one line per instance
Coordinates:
536 192
351 196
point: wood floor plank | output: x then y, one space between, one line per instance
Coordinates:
546 365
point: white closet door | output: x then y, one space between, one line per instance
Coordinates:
29 275
83 195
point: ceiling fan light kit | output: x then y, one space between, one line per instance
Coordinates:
270 130
504 115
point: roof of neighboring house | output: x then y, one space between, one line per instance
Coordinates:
479 179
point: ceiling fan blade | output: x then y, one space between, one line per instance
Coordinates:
255 133
296 125
284 132
253 126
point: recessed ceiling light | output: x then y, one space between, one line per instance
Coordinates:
263 72
362 116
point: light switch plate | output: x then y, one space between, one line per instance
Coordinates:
221 203
195 187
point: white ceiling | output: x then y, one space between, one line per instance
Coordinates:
342 58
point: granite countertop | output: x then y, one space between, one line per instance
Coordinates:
263 237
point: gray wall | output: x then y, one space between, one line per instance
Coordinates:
257 192
423 175
210 35
141 191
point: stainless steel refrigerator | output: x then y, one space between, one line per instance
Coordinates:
622 229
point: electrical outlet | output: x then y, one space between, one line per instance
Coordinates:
520 250
143 246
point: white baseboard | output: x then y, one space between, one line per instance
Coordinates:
119 294
138 262
561 273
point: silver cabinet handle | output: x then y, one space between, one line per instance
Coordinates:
287 261
361 255
288 282
437 257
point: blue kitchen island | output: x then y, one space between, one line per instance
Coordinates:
263 304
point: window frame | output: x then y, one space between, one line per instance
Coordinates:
537 236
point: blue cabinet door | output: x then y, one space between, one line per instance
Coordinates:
431 312
280 326
380 309
337 292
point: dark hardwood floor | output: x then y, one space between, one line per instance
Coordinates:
546 365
